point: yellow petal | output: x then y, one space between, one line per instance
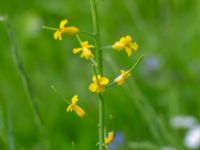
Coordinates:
109 138
122 71
134 46
63 22
118 46
119 80
70 30
91 46
74 99
94 78
126 40
70 107
76 50
57 35
125 73
79 111
87 53
100 89
84 44
93 87
128 51
103 81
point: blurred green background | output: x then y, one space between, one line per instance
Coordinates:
164 85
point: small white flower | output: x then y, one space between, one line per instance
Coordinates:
183 121
192 138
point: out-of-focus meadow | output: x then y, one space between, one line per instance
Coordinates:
144 111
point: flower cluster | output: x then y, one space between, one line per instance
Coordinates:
99 82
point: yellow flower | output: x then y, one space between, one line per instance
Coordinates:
121 78
62 29
86 52
98 84
126 43
73 106
109 138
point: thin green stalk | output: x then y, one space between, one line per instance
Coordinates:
78 38
23 73
137 62
49 28
87 33
27 82
96 36
106 47
100 71
101 122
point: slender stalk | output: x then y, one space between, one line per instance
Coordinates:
137 62
49 28
100 71
87 33
27 82
23 73
96 36
106 47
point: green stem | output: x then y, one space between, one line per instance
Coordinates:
49 28
100 71
137 62
78 38
96 36
24 74
87 33
27 82
106 47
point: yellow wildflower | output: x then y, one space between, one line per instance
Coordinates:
121 78
62 29
73 106
86 52
109 138
126 43
98 84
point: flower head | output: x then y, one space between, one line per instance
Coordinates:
73 106
62 29
109 138
86 52
121 78
126 43
98 84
